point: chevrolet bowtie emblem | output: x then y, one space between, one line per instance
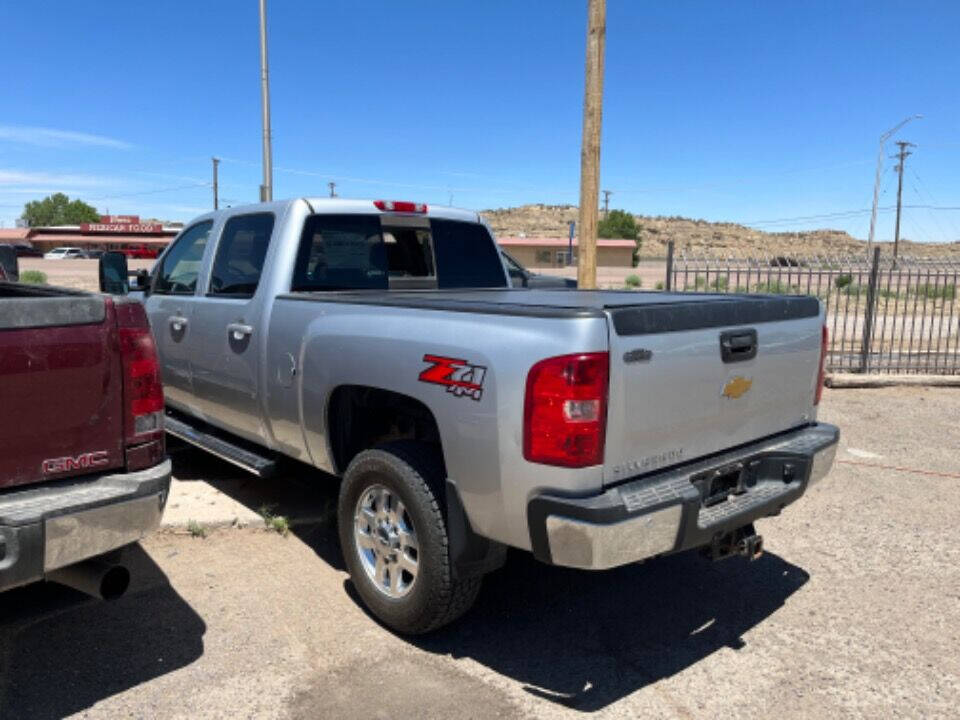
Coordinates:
736 387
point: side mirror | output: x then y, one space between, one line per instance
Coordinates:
9 265
113 273
141 280
517 274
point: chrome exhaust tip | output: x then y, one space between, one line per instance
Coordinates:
96 578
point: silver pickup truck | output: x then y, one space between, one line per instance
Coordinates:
380 341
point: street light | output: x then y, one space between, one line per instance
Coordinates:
266 189
876 182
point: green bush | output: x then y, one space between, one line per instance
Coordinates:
933 291
842 281
719 283
33 277
772 287
633 281
659 285
618 224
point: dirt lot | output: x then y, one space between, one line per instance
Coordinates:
79 274
854 611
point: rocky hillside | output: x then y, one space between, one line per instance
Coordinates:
700 235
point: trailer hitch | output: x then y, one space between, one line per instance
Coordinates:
742 541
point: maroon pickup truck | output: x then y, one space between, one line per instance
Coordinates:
83 466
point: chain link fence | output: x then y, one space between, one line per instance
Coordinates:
883 316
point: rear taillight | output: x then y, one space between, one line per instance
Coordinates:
142 385
824 338
400 206
565 412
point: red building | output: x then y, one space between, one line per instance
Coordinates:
113 232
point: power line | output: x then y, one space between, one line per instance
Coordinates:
926 189
149 192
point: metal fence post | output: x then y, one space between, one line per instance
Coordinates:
868 316
668 285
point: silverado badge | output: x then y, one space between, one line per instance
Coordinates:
736 387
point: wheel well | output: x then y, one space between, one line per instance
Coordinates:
360 417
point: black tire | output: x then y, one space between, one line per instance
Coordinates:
414 471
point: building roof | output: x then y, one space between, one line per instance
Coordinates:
13 234
77 239
562 242
78 231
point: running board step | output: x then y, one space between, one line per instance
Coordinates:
223 449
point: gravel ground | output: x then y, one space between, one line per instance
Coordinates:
853 612
78 274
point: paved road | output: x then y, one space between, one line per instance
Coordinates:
854 611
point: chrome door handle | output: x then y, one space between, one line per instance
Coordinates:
239 331
177 323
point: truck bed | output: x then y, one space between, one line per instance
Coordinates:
675 395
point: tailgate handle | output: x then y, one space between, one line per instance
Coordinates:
738 345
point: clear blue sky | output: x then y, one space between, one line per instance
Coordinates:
732 111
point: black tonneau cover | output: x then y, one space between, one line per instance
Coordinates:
633 313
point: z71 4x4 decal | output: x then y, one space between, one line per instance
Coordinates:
458 376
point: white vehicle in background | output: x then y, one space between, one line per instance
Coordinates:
65 253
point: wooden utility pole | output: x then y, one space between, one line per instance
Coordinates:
590 147
333 188
216 197
901 157
606 201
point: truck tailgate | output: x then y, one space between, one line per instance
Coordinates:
693 377
60 388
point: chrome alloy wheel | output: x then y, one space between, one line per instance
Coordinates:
386 541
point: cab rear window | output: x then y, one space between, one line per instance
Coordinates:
356 252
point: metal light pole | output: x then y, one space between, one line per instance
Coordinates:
266 189
216 184
876 182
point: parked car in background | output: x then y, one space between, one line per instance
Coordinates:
27 251
521 277
65 253
381 341
144 252
94 254
83 467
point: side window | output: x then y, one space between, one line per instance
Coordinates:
177 275
467 257
240 255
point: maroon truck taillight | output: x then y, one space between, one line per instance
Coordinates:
821 374
142 387
565 412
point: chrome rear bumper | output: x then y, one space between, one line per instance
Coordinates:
50 526
667 511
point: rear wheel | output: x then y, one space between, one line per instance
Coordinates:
394 538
